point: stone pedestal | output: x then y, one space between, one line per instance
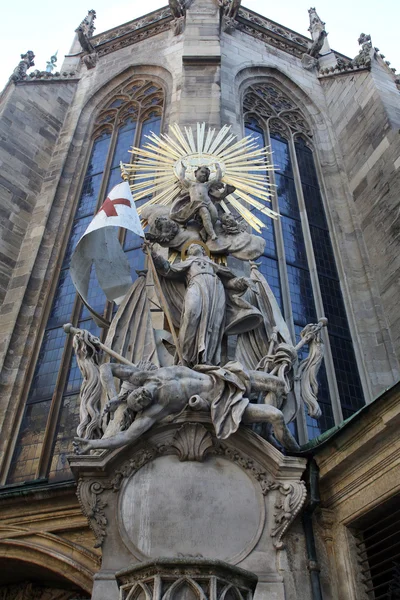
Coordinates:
181 493
185 579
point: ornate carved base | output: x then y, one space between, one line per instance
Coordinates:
192 579
182 493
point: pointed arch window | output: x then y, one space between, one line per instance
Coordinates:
51 413
299 261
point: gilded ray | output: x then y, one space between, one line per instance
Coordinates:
154 172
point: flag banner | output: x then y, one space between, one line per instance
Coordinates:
99 247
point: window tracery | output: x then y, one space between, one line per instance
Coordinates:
52 410
299 240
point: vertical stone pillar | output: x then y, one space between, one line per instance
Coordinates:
201 86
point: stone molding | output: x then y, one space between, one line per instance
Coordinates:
191 442
165 579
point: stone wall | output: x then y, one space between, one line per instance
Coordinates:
31 117
365 112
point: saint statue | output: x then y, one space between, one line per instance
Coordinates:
207 306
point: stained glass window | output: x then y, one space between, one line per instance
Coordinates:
124 122
295 178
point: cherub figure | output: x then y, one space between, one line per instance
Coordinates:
199 202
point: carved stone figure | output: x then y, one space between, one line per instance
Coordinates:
85 32
26 63
207 307
51 64
199 201
156 394
233 236
178 10
230 9
363 58
317 44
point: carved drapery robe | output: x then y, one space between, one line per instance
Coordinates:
206 308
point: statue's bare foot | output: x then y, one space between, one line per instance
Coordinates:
81 446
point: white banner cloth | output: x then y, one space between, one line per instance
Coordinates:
99 246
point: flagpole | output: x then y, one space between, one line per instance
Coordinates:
125 177
164 302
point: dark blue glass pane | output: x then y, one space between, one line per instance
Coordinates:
99 155
287 198
126 135
136 260
29 444
63 302
314 206
132 240
350 390
252 128
334 307
45 377
281 156
66 431
74 378
78 229
301 296
306 164
323 252
115 178
293 240
89 196
152 124
269 268
96 297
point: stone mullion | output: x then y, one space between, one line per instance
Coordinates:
284 280
330 371
46 454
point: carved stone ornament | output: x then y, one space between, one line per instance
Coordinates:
33 591
191 442
26 63
194 578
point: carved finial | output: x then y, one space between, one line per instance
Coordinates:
85 32
316 24
26 63
87 25
51 64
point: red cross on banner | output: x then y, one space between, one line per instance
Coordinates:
109 206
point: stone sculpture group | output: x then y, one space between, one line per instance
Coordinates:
161 377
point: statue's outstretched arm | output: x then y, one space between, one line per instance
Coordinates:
182 177
138 427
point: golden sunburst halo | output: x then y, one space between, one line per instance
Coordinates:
156 166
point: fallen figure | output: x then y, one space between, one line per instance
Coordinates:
152 395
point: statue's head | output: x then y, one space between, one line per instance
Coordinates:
165 229
139 399
202 174
196 250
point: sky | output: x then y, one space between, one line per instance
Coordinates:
46 26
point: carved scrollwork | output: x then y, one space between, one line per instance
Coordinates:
131 466
288 505
89 497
